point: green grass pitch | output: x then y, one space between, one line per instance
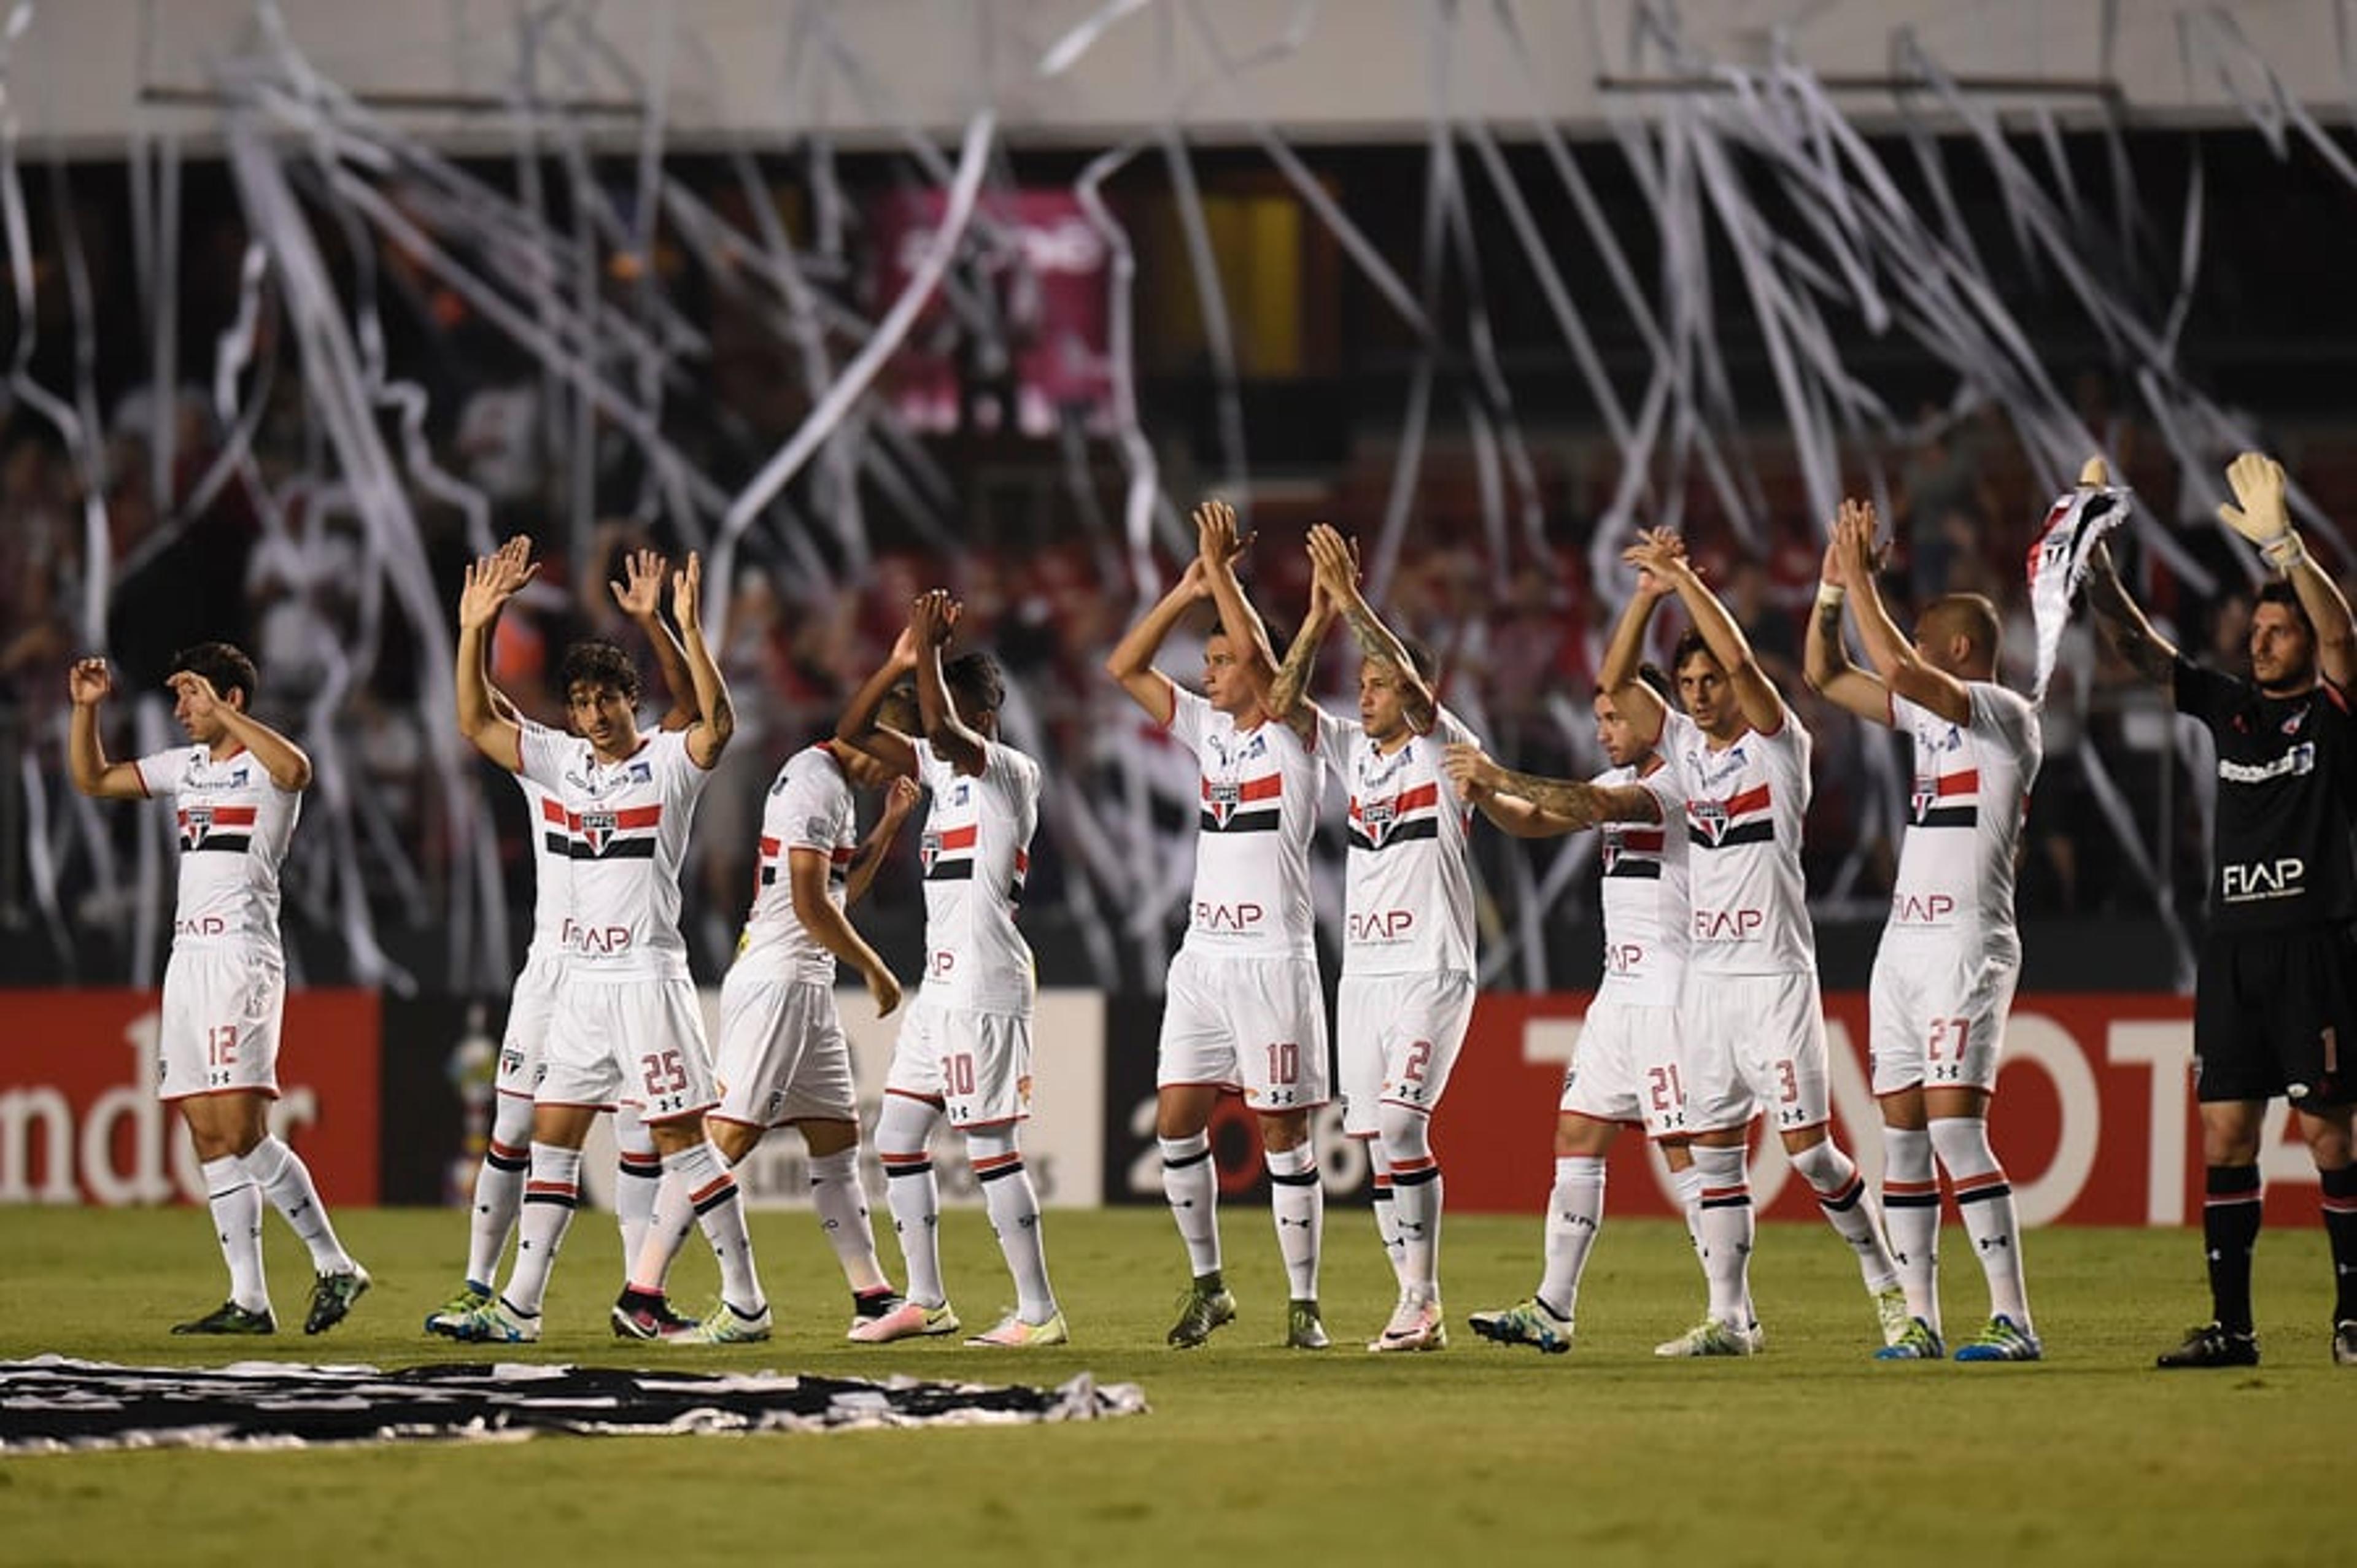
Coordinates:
1810 1453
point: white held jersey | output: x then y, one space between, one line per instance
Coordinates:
810 808
626 836
1409 870
552 859
1743 809
1964 819
1252 857
234 825
976 851
1643 867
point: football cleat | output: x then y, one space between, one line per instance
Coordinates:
1920 1343
642 1315
1014 1333
1531 1322
904 1321
2003 1340
470 1296
1710 1337
231 1318
493 1322
2213 1345
1891 1310
1416 1325
2344 1343
724 1324
332 1296
1303 1331
1207 1305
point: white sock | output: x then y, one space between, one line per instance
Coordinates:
236 1204
1688 1185
1014 1206
1574 1213
842 1205
1728 1226
1193 1187
1985 1200
638 1178
499 1188
1386 1214
912 1193
711 1191
666 1231
1911 1212
1842 1196
286 1180
1298 1202
549 1200
1416 1198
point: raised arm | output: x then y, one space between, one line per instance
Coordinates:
1512 815
1287 695
1217 546
1763 708
716 716
930 621
1336 568
2152 654
88 684
1891 651
2259 515
640 596
1639 702
899 799
859 728
806 874
490 727
1824 662
1131 663
1576 801
287 764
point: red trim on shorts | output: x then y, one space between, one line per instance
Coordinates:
1002 1121
1224 1087
935 1101
270 1093
740 1122
1781 1132
1285 1110
1423 1110
641 1107
1364 1138
515 1093
599 1105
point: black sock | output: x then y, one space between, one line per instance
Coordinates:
2230 1228
2340 1226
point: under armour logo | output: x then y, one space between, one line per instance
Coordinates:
1282 1221
1990 1243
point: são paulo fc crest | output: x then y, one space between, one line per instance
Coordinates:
1376 817
1221 799
195 823
928 850
1710 816
597 830
1926 795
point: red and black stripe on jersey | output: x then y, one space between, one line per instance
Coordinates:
1395 819
1633 853
625 834
1248 806
949 857
1927 807
838 860
1742 819
226 830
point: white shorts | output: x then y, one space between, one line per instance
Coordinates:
524 1042
222 1013
1753 1044
1257 1025
975 1066
1938 1015
784 1056
1396 1039
640 1043
1628 1068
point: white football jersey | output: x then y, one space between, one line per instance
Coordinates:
1409 872
976 851
234 825
1260 790
626 836
1644 874
552 859
1964 818
1743 808
810 808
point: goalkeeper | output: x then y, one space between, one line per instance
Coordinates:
2274 1010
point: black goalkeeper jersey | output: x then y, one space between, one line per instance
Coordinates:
2284 852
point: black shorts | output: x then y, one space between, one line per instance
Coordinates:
2275 1016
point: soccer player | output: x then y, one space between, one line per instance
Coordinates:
236 789
783 1058
964 1050
1243 1011
2276 988
1628 1070
499 1185
1752 1024
1407 957
1944 975
627 1025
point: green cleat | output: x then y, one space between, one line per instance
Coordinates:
1303 1331
470 1297
1708 1338
2003 1340
1014 1333
1207 1305
493 1322
1890 1310
231 1318
1531 1322
332 1296
1920 1343
724 1324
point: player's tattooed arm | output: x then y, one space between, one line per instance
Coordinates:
1580 803
2151 654
1285 692
1336 563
